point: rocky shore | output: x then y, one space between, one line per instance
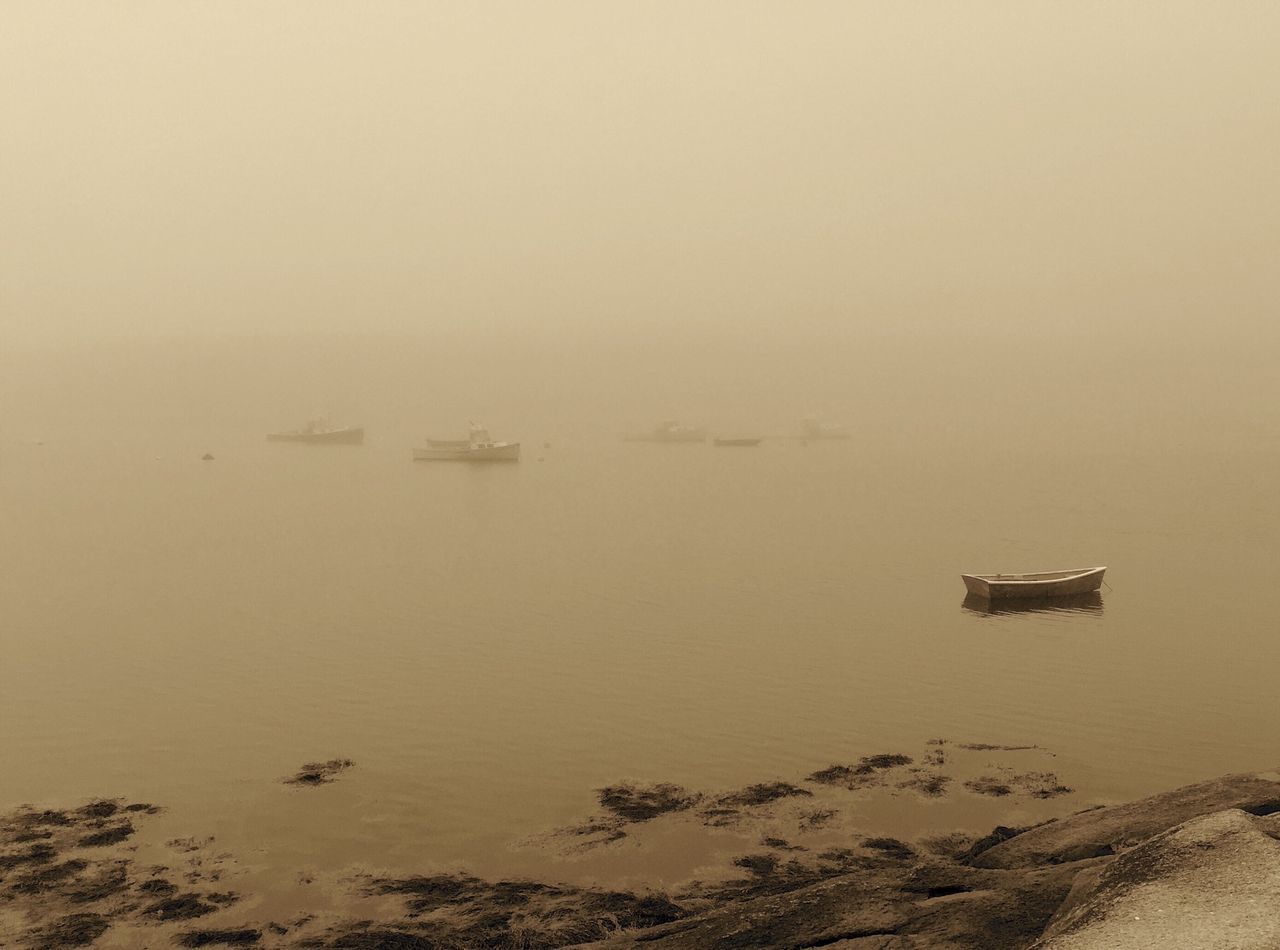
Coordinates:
1195 867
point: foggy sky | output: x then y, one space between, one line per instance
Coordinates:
588 168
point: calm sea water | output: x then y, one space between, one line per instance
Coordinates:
490 644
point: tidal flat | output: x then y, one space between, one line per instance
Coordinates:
111 873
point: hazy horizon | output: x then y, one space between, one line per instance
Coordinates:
585 171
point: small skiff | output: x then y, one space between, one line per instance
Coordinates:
1042 584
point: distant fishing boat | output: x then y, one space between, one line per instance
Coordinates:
1081 580
479 447
742 442
319 432
669 431
813 429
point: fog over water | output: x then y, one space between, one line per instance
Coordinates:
1026 253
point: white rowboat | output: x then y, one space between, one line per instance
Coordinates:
1081 580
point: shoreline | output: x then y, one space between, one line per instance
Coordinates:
91 876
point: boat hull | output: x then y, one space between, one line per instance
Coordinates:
350 436
1090 602
507 452
1044 584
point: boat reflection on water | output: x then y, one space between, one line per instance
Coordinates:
1072 603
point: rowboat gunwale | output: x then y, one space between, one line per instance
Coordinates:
1036 583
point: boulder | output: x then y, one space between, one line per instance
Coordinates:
929 905
1212 883
1104 831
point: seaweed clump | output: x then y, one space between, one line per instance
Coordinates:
243 937
1035 784
764 793
929 784
111 835
463 911
319 773
872 763
890 848
643 802
74 930
993 747
868 765
988 785
182 907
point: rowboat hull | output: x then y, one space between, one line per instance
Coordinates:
349 436
503 452
1043 584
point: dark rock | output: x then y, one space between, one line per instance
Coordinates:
1092 832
